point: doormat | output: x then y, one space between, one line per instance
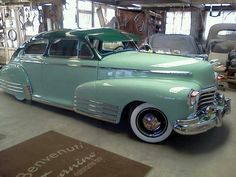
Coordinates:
55 155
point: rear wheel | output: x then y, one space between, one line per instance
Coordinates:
149 124
19 98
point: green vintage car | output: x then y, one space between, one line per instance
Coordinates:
100 73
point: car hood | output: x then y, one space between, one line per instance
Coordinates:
157 65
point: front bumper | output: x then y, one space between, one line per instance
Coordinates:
208 118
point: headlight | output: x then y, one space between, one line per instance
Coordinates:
193 97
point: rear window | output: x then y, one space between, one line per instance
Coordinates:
227 34
37 47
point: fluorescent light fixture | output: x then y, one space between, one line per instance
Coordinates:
137 5
217 4
47 4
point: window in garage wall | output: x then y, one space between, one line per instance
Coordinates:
108 13
96 19
225 17
86 14
69 13
178 22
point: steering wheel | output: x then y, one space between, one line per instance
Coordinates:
118 48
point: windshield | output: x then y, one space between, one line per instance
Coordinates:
174 44
105 48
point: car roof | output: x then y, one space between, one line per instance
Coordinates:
104 34
215 29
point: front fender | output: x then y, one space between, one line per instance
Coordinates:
168 95
14 80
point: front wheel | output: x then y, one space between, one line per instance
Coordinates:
149 124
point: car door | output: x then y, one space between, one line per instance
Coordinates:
65 68
31 60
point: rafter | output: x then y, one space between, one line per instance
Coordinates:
213 1
124 2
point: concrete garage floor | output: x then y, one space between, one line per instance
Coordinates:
211 154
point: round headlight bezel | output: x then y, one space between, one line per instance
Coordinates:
193 97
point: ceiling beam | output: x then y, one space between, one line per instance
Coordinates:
213 1
186 1
27 2
165 3
110 2
125 2
150 2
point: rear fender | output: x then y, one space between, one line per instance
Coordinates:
14 80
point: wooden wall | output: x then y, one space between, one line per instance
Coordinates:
140 23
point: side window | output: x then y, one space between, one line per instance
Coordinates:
37 47
85 51
64 48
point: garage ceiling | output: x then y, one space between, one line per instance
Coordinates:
9 2
135 3
164 3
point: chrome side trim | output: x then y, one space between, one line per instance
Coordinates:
182 73
98 110
130 69
11 86
71 65
12 83
9 89
95 116
50 103
88 66
61 64
31 61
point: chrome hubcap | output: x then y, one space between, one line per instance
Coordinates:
151 122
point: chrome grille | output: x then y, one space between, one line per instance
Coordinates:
207 97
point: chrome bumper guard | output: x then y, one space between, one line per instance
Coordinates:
207 119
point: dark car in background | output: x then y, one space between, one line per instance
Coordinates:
221 46
220 41
221 38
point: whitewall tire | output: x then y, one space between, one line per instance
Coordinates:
149 124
